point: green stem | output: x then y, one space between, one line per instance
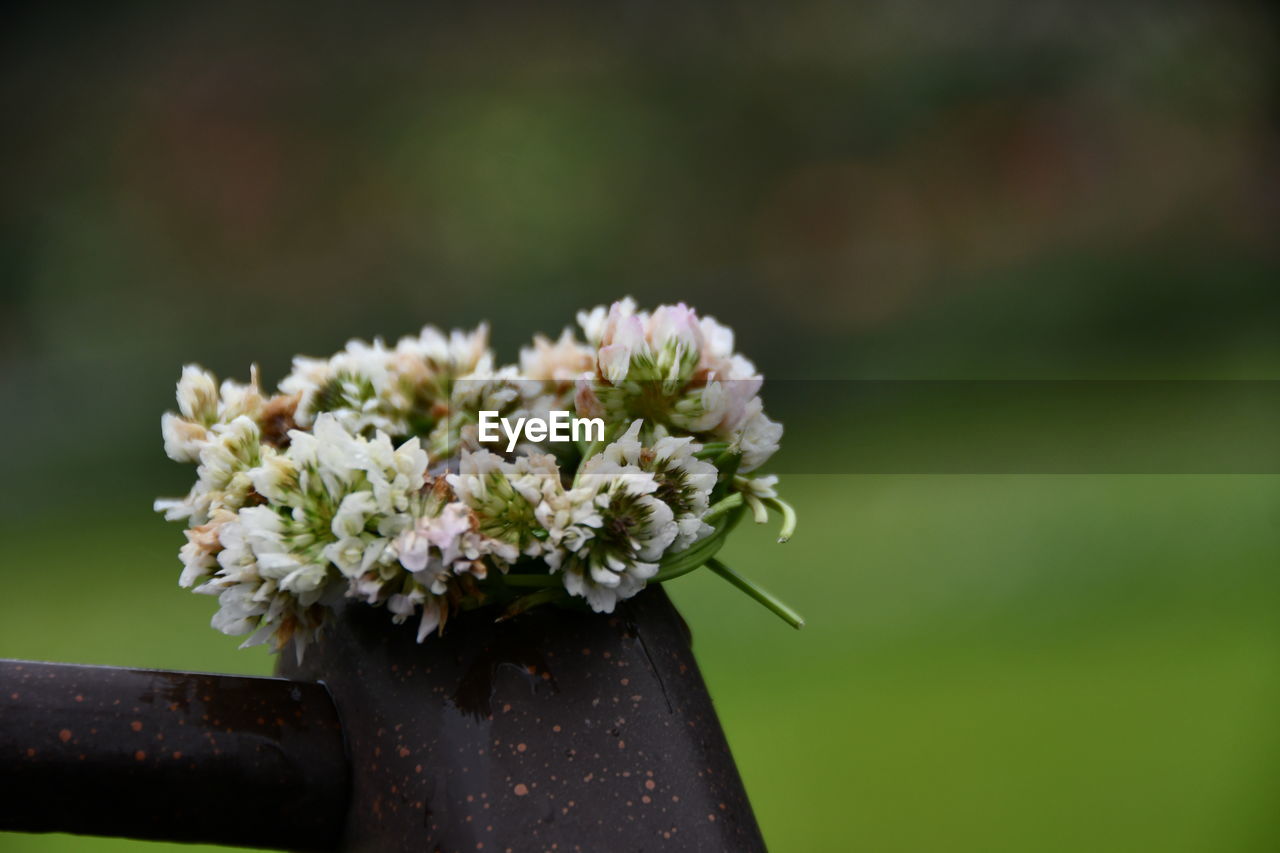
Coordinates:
722 506
792 618
533 599
712 450
788 517
758 510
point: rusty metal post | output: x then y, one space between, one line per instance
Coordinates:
557 730
170 756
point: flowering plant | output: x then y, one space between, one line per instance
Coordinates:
371 475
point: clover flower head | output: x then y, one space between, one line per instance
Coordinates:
561 361
492 390
356 386
437 354
504 497
203 406
679 371
684 481
621 554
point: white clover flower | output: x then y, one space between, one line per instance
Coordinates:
663 346
333 499
596 322
621 553
756 437
201 407
356 386
504 496
198 395
199 555
677 370
445 541
458 354
226 456
758 487
562 361
404 604
570 518
182 438
400 391
684 481
250 603
457 427
443 544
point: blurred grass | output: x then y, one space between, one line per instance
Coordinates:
991 663
1008 663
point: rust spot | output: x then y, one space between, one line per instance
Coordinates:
64 735
521 789
520 747
139 756
136 725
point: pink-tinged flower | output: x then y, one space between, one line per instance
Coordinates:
677 371
675 325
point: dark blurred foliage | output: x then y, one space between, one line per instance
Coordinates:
877 190
886 190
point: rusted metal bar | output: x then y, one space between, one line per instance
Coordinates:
556 730
170 756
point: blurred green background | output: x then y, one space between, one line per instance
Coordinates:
880 191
